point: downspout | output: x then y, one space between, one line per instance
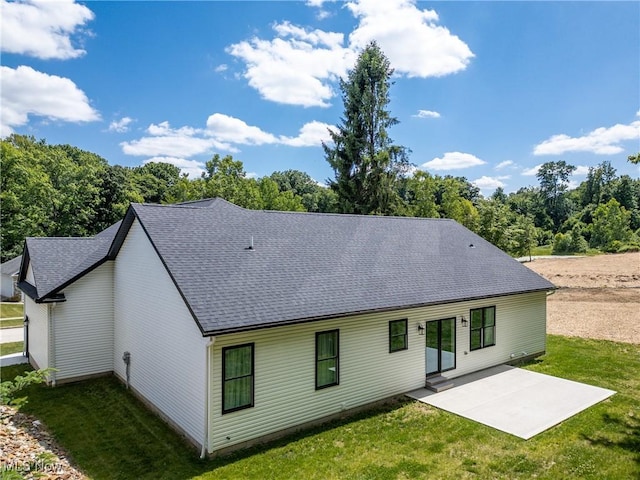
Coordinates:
207 372
52 343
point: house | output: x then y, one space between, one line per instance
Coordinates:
9 271
237 325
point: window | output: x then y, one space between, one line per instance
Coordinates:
237 373
398 339
327 364
483 327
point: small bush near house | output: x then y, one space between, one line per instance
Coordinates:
10 388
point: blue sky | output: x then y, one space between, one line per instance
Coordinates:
486 90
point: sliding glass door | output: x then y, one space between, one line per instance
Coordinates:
441 346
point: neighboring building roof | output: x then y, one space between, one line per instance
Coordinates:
58 261
306 266
11 267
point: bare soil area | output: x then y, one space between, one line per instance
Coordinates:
598 297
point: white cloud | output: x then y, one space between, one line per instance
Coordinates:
311 134
221 68
120 126
170 145
192 168
297 67
164 129
489 183
505 164
638 113
233 130
222 132
426 114
531 172
453 161
398 24
301 66
322 14
25 91
43 29
169 142
601 141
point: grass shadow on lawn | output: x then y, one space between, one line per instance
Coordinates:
111 435
629 438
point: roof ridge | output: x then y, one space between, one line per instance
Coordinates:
65 238
190 204
350 215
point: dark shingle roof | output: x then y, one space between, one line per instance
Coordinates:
308 266
11 267
56 262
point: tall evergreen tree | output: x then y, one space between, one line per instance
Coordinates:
364 159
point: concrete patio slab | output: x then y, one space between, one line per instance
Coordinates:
513 400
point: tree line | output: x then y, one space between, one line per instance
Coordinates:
61 190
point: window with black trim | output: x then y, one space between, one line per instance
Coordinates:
398 338
237 377
327 359
483 327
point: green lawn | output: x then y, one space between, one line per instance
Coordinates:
11 314
11 323
8 348
110 435
10 309
541 250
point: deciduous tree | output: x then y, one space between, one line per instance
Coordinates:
554 181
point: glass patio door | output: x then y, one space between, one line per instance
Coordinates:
441 345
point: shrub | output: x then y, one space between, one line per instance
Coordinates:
572 242
578 243
9 389
561 243
629 248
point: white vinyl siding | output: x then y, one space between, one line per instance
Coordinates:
7 286
285 394
38 314
154 325
29 275
285 363
83 326
521 325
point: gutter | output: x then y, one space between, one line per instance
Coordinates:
207 399
336 316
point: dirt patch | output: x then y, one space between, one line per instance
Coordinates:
598 297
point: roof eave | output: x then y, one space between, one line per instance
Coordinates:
228 331
28 289
56 291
